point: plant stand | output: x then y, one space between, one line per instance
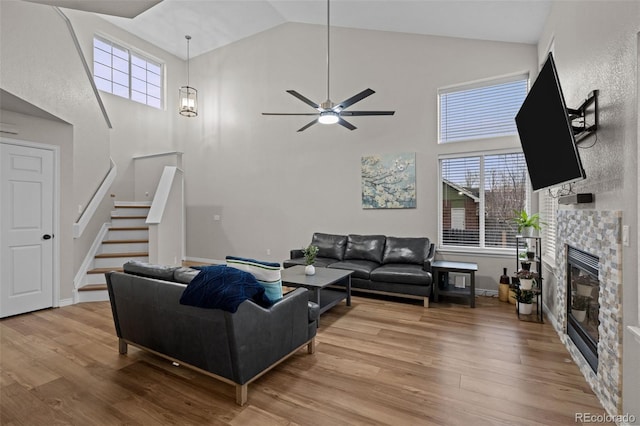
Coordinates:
536 266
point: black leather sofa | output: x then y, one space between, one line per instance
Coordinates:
380 264
236 348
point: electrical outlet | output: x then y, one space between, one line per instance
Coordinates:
80 208
625 235
268 252
216 217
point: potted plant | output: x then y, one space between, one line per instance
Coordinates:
310 254
526 224
525 301
579 307
526 278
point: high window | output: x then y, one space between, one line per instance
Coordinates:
480 110
479 195
124 73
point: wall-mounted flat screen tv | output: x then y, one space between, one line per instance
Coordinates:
546 135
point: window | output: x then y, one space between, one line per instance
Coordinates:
548 216
479 195
130 75
484 110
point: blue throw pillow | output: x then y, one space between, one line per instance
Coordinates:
220 287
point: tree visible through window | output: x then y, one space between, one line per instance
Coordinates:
485 190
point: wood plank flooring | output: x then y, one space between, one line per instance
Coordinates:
377 362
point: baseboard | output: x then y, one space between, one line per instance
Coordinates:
486 292
65 302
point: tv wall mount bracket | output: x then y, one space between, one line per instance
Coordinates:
585 113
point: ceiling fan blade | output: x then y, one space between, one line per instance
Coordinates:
345 123
290 113
303 99
306 126
359 113
352 100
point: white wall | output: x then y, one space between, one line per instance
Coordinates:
596 47
272 186
41 66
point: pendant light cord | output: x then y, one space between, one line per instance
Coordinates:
328 49
188 37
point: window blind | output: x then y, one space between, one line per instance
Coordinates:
471 112
549 228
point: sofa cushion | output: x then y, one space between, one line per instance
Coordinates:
365 247
320 261
267 273
401 273
360 268
222 287
184 275
329 245
148 270
406 250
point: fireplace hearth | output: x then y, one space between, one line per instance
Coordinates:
583 308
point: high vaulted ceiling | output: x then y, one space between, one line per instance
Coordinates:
215 23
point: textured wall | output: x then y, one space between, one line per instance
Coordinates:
273 187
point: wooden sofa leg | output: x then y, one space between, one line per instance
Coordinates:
241 394
311 346
122 346
426 302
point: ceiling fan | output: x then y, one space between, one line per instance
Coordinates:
327 111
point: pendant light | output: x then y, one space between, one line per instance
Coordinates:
188 95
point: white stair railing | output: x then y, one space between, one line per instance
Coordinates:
166 219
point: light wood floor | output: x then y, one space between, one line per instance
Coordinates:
377 362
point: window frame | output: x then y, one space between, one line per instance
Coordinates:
477 84
132 53
482 249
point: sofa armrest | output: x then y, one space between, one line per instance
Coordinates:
262 336
430 258
295 254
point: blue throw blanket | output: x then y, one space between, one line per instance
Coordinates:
221 287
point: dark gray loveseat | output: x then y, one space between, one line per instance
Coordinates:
236 348
380 264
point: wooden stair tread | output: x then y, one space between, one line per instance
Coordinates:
128 254
128 217
104 270
129 228
93 287
124 241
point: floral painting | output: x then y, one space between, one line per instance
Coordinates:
389 181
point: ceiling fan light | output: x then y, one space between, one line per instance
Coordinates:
328 117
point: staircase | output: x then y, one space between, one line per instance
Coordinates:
127 239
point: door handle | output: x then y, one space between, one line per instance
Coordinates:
47 237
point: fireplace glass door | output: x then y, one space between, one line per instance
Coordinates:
583 308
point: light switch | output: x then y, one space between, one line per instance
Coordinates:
625 235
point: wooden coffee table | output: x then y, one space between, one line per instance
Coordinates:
318 283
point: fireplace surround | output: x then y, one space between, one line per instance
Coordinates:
597 232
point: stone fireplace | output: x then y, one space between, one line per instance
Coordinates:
597 233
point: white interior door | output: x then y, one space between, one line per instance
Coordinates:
26 229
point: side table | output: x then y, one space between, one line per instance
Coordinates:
444 267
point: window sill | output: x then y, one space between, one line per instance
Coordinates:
476 251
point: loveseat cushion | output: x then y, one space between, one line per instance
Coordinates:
148 270
406 250
365 247
267 273
184 275
361 268
329 245
403 273
320 261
